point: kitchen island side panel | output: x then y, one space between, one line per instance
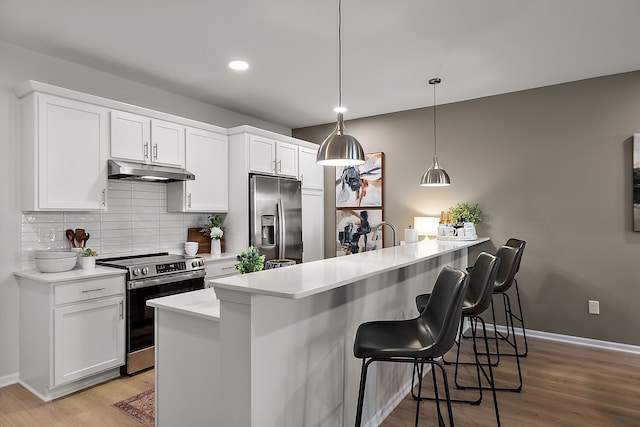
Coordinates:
295 355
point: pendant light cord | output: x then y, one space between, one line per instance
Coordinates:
340 54
435 138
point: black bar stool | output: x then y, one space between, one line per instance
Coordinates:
519 244
418 341
476 301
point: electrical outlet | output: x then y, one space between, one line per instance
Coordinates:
594 307
46 234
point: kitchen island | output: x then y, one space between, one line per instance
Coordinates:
277 348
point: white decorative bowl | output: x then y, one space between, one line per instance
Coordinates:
56 265
54 254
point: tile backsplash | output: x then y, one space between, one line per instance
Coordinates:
137 221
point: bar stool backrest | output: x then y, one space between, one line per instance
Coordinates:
444 308
481 284
520 244
508 263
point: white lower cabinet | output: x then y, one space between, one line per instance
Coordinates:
72 333
220 268
89 338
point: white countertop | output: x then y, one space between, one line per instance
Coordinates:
201 303
76 274
303 280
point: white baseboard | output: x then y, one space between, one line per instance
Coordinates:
589 342
8 380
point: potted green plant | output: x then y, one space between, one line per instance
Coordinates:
87 258
466 212
250 261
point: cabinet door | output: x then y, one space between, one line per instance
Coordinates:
88 339
167 143
130 136
312 225
311 173
207 159
262 155
72 154
287 159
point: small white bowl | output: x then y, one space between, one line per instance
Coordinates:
190 250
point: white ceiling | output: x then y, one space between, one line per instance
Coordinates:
390 48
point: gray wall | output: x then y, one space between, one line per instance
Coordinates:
551 166
18 65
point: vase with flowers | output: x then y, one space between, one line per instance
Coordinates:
213 228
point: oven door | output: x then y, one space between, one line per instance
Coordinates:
140 317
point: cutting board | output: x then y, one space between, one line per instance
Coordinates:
204 242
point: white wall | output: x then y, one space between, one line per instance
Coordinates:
19 65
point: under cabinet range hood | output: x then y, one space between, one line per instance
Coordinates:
119 169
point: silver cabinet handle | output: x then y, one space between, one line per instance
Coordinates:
93 290
121 310
146 150
104 197
155 152
189 200
279 165
302 178
228 268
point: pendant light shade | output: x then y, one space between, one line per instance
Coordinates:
339 149
435 176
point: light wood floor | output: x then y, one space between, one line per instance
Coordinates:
564 385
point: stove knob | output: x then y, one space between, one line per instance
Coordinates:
194 264
136 271
145 270
201 262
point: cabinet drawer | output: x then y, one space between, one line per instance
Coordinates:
87 289
221 268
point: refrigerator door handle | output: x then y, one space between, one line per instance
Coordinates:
281 229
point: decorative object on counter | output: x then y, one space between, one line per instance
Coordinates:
360 186
435 176
426 225
340 149
213 229
353 227
216 234
277 263
191 248
250 261
465 212
87 258
54 261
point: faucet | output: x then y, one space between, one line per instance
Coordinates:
375 228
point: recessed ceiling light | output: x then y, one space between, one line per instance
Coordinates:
238 65
340 110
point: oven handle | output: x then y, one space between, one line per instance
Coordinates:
137 284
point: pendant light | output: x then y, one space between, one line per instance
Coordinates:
339 149
435 176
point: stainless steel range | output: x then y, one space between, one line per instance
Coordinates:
148 277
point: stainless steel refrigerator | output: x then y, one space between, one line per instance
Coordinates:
275 223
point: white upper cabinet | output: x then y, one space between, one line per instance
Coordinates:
207 158
147 140
64 154
272 157
310 173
